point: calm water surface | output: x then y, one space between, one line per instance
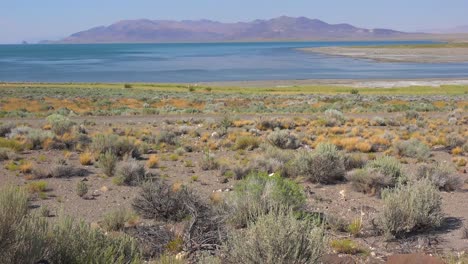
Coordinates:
202 62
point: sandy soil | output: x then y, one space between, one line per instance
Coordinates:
419 55
106 196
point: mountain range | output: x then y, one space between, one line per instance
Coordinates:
280 28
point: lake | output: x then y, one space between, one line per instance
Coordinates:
203 62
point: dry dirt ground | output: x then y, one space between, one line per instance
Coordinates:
338 200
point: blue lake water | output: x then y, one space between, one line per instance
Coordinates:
202 62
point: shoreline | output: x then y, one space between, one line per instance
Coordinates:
395 54
357 83
353 83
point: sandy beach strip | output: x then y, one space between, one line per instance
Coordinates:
365 83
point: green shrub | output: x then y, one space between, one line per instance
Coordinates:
11 144
169 259
273 160
389 167
36 137
131 172
411 114
455 140
37 186
369 181
108 162
209 162
413 148
102 143
355 227
354 161
276 237
81 188
120 146
167 137
116 220
334 117
60 124
325 165
258 193
410 208
13 210
283 139
345 246
246 142
76 242
443 176
26 238
6 154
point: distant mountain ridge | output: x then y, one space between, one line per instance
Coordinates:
280 28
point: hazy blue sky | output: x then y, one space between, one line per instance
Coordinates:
34 20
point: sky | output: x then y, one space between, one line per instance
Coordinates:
33 20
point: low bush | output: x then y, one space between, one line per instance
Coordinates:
411 114
167 137
11 144
283 139
86 158
410 208
325 165
273 160
152 162
369 181
334 117
354 161
6 128
355 227
61 169
25 167
26 238
413 148
209 162
36 138
33 138
77 242
160 201
276 237
152 239
6 154
108 163
345 246
389 167
246 142
60 124
455 140
441 175
258 193
36 187
118 145
131 172
116 220
81 188
102 143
